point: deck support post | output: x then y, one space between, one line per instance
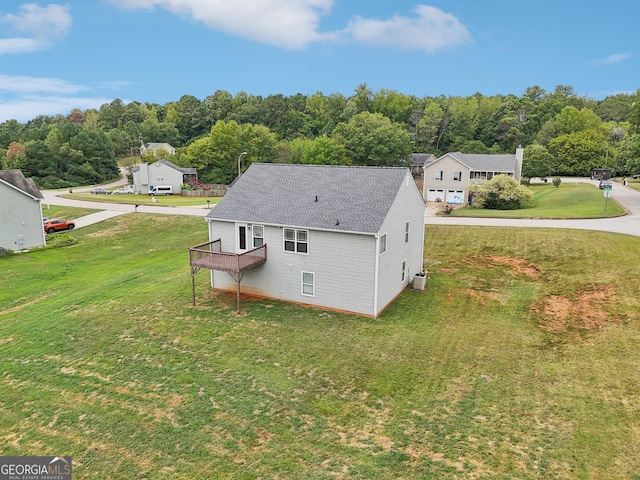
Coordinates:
238 278
194 270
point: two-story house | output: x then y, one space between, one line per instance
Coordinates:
344 238
448 178
162 172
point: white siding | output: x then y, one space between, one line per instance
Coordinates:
448 166
21 218
407 207
156 174
343 265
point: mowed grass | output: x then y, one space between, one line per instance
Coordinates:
569 200
520 360
164 200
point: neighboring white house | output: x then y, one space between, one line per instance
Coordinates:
448 178
20 212
345 238
162 172
155 147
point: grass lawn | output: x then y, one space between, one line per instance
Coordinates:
520 360
569 200
68 213
168 200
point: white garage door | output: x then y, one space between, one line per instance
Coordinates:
435 195
455 197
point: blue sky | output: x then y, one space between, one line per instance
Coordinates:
83 53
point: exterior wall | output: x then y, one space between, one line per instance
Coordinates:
156 174
21 218
407 207
343 266
448 165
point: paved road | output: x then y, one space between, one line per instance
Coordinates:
110 210
628 197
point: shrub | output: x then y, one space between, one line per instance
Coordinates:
502 192
557 181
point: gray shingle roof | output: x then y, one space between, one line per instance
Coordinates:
422 159
486 162
18 180
359 198
184 170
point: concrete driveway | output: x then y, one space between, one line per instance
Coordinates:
626 196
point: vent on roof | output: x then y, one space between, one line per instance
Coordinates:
316 198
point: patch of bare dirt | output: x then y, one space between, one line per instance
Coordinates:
518 266
587 311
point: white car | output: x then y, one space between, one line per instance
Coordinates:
123 191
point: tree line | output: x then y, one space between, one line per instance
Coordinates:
563 133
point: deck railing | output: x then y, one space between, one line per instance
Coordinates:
210 255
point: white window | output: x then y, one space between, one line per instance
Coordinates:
308 284
406 232
437 175
457 176
258 235
296 240
160 178
383 243
404 270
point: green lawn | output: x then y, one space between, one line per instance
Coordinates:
168 200
520 360
569 200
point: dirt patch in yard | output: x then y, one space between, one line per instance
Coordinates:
518 266
587 311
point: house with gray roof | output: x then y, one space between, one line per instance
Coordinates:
162 172
156 148
448 178
419 161
20 212
338 237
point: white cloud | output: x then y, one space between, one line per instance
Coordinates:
36 27
29 107
294 24
617 58
285 23
23 84
23 98
431 30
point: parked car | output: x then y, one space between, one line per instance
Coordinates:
100 191
45 220
636 176
123 191
57 225
605 184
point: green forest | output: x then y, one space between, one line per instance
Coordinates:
563 133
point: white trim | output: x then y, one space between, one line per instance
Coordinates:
386 243
376 274
313 284
295 240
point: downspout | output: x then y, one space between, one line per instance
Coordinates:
375 279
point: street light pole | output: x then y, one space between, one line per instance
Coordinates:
239 159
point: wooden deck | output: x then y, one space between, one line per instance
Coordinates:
210 256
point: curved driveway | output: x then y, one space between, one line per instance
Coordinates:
628 197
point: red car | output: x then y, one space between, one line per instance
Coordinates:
56 225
